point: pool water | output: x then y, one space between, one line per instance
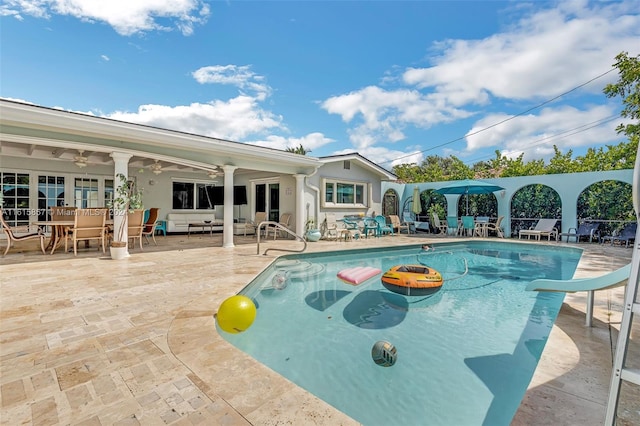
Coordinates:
465 355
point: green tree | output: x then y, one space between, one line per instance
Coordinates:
628 88
298 150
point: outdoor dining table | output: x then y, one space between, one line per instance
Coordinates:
57 230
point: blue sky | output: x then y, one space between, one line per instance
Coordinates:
395 81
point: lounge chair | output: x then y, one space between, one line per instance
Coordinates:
627 234
544 228
586 229
617 278
12 237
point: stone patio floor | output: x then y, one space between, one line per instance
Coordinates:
91 341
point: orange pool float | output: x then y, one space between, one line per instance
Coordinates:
412 280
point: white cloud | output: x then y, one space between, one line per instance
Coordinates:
234 119
239 76
565 127
312 141
127 17
384 113
544 54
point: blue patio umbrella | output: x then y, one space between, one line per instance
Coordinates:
469 186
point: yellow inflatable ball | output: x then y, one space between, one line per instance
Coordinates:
236 314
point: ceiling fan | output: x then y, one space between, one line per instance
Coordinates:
156 168
80 160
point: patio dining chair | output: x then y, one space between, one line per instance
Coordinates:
13 235
285 218
544 228
150 224
495 227
441 227
89 224
135 226
453 225
468 226
253 225
370 227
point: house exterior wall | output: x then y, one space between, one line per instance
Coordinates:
336 170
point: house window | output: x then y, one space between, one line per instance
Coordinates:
85 193
50 194
344 193
195 196
15 198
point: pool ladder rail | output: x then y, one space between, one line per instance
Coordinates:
278 227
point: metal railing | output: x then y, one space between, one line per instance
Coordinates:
278 227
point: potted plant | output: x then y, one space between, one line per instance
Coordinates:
312 233
127 198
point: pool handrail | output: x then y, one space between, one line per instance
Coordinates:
282 228
613 279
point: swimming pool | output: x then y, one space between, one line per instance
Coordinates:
465 355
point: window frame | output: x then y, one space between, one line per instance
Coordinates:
194 194
335 183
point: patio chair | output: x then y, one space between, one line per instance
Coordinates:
544 227
135 226
495 227
285 218
150 224
12 237
468 226
370 227
330 227
89 224
259 217
383 226
61 233
453 225
627 234
586 229
410 219
399 226
441 227
352 229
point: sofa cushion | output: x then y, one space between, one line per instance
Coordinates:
179 222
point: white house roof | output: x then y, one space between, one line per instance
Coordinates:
30 130
364 162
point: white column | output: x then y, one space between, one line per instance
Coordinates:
300 216
227 228
120 166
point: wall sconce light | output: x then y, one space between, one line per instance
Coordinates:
503 193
